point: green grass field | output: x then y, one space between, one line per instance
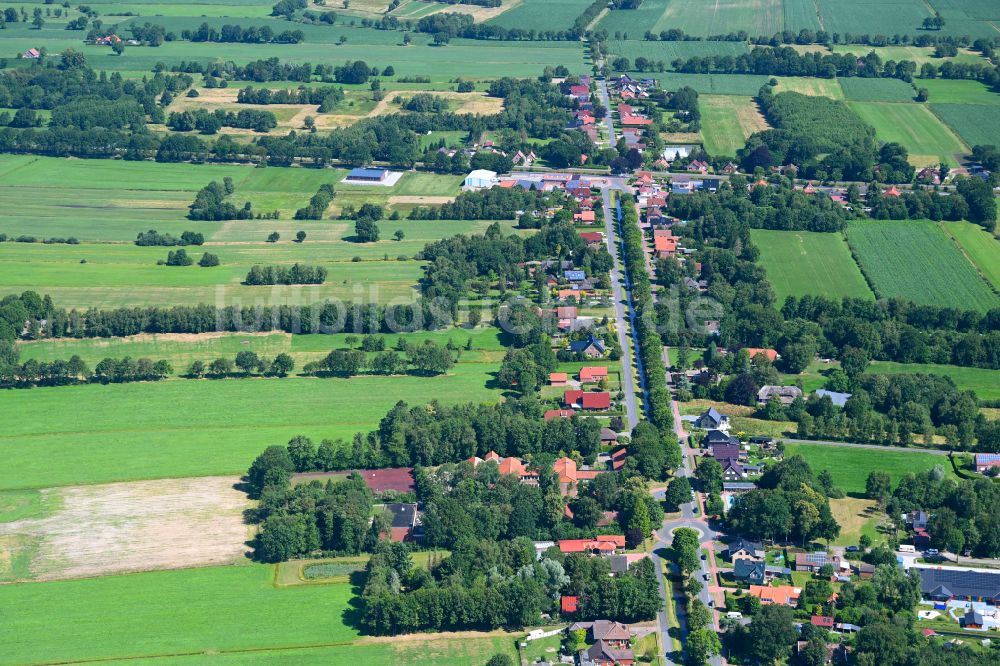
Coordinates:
727 121
169 613
983 381
757 17
928 141
93 434
957 91
876 90
746 85
977 124
810 86
918 54
850 466
669 51
111 200
466 58
804 262
181 350
982 248
541 15
916 260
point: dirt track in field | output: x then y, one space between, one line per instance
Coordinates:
137 526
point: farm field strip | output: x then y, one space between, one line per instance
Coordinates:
977 124
803 262
860 89
727 121
928 141
982 248
71 435
916 260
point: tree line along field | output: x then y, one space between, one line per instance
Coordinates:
928 141
95 433
916 260
850 466
800 263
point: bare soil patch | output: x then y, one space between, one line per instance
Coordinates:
136 526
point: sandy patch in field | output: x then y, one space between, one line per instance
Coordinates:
138 526
478 14
417 199
158 204
751 119
681 137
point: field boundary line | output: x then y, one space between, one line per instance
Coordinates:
170 655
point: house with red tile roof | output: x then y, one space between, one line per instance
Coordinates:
593 374
587 399
603 545
569 604
558 378
558 414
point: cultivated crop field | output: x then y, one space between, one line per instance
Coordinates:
916 260
860 89
850 466
977 124
805 262
541 15
982 248
918 54
71 435
952 91
928 141
727 121
746 85
669 51
757 17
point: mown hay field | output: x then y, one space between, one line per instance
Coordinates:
916 260
800 263
928 141
727 121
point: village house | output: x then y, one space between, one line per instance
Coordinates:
711 419
587 399
813 562
31 54
558 379
600 545
785 595
743 549
590 347
786 395
405 522
558 414
987 461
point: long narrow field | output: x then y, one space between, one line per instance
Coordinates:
850 466
169 613
982 248
813 87
727 121
757 17
916 260
180 349
97 434
860 89
473 59
928 141
958 91
541 15
746 85
984 382
805 262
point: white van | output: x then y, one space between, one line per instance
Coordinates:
907 549
734 615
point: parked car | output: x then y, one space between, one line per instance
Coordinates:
932 552
707 577
853 549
